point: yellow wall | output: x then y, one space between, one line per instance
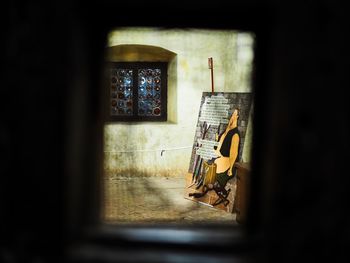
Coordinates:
136 147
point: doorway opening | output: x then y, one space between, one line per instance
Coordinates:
148 162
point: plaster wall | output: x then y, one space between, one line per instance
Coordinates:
164 148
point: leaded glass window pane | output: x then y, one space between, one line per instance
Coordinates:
149 91
137 91
121 99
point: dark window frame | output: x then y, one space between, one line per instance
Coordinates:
164 91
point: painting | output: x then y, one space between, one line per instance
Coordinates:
218 144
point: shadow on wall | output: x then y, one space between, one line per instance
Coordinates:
147 164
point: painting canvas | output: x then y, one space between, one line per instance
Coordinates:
218 145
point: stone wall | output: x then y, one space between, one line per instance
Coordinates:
164 149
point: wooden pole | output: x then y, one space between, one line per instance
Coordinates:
211 67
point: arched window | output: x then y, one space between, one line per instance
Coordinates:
137 83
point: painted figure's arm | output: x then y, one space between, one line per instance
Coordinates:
233 152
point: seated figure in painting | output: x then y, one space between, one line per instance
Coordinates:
227 154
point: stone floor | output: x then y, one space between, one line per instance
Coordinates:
155 199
